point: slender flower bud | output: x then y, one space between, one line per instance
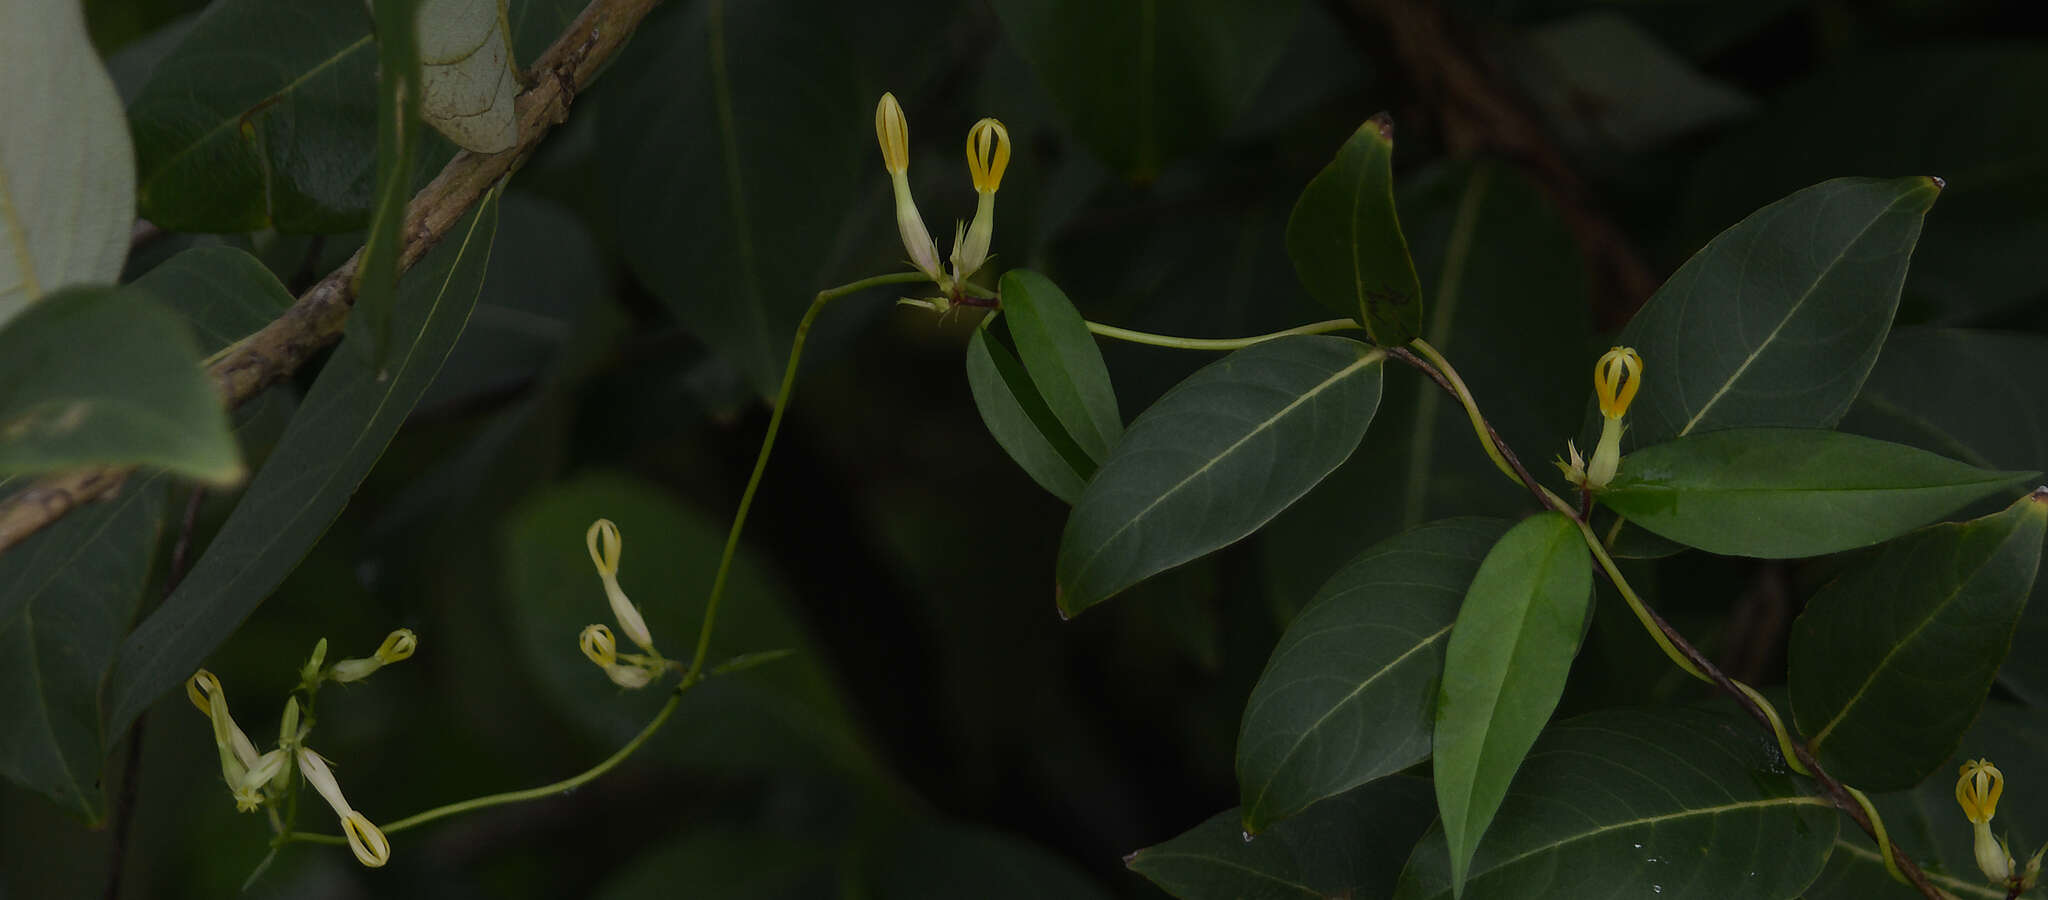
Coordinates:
239 762
398 645
1615 380
988 155
369 844
310 672
2032 875
1977 792
607 563
892 131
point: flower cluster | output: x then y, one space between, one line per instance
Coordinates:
988 155
627 670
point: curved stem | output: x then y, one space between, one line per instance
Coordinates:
739 519
1180 343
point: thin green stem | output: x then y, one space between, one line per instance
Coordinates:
739 519
1180 343
547 790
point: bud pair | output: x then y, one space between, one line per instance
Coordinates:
988 155
629 670
244 770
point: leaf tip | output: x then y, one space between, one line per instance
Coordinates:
1936 181
2039 496
1131 858
1382 125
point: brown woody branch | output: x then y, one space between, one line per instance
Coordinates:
315 319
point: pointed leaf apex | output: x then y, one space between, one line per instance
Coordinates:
1382 124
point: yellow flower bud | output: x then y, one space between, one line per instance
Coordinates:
988 154
607 563
368 843
598 645
892 131
1978 789
607 559
238 758
1616 378
398 645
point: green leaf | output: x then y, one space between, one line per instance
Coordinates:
1350 693
1641 803
1352 846
67 595
1930 826
741 158
1504 668
944 862
398 105
1913 632
1346 242
263 116
468 79
136 397
1060 354
1780 493
787 715
1141 83
1778 320
1214 459
67 171
1017 415
224 294
342 427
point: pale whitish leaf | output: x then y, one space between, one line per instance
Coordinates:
67 171
467 83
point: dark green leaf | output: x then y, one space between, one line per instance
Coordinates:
1779 493
789 714
343 426
1346 240
1141 83
223 293
1216 458
1504 668
105 376
945 862
1778 320
1350 693
1021 421
262 116
1057 350
398 123
67 595
1672 803
1913 632
1351 846
1929 825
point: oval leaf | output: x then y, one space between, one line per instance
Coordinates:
137 396
1346 240
1504 668
1777 320
467 77
1350 693
1020 420
1218 456
1914 633
1779 493
343 426
1673 803
1057 350
67 171
1350 846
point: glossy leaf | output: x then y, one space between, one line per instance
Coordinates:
67 595
467 76
262 116
1912 632
1780 493
1216 458
222 293
943 862
1056 348
1671 803
1929 824
1346 242
341 428
1504 669
67 171
105 376
1142 83
1350 693
1778 320
1019 419
1352 845
398 110
785 715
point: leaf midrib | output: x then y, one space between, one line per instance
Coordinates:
1795 800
